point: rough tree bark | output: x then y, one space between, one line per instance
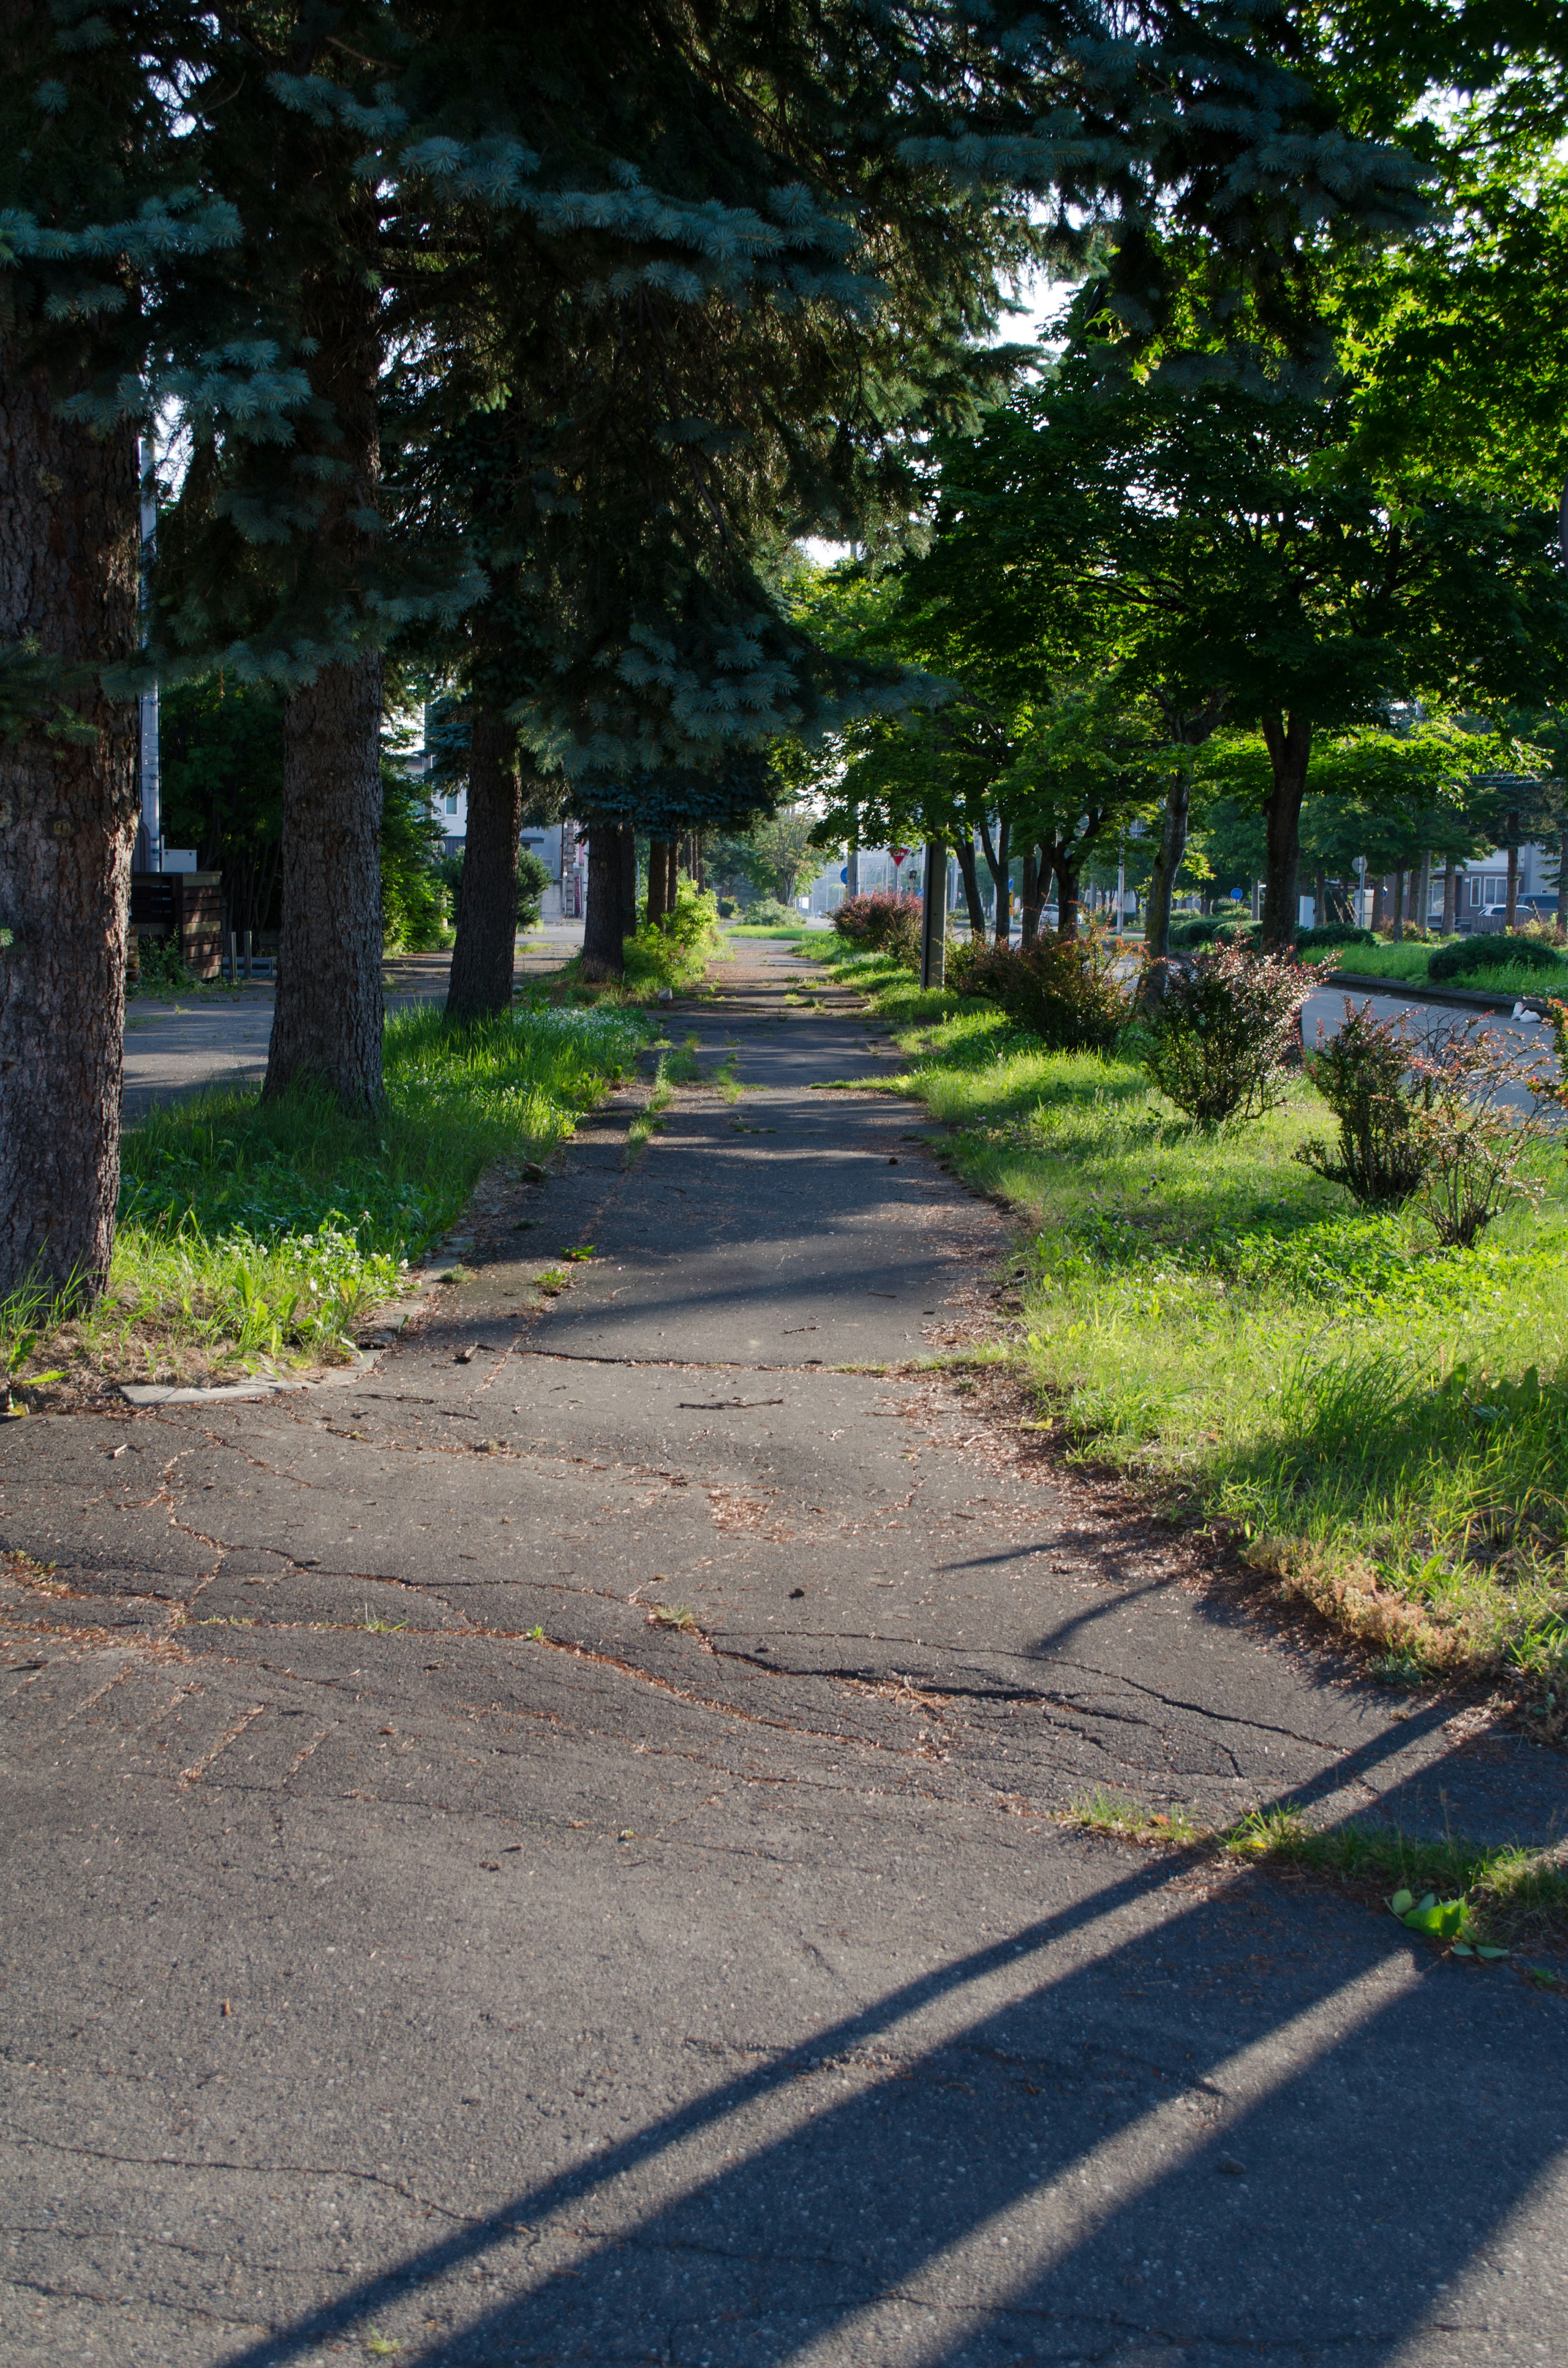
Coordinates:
1067 899
1167 864
1288 739
603 957
485 954
661 865
69 524
628 881
328 1015
1029 898
969 872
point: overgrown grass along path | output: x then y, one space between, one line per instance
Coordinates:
263 1231
1382 1425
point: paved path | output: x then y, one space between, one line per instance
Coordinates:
548 1856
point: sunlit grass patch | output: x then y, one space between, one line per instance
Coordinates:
254 1231
1382 1424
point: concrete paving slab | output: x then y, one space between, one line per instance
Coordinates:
597 1896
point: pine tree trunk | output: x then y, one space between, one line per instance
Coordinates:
1289 740
326 1023
628 881
660 852
603 957
69 527
485 954
328 1020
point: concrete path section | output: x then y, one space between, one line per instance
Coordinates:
552 1855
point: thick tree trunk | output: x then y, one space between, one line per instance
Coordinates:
1289 740
1320 900
628 881
661 864
603 956
969 872
1167 864
69 525
1029 899
328 1016
998 859
1067 899
485 954
934 916
327 1022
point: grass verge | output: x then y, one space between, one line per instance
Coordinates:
1382 1426
257 1232
1508 1894
1406 965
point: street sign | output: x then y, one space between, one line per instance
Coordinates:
898 854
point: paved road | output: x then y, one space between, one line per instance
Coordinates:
547 1855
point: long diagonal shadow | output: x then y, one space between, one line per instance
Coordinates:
1043 2179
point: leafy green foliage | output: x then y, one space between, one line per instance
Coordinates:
1064 990
220 756
1471 957
1362 1070
881 923
413 897
1224 1032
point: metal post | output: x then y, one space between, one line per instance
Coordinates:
934 916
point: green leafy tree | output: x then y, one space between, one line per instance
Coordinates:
221 759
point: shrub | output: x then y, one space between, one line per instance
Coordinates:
1334 933
1503 950
1226 1026
1473 1147
882 924
1364 1075
1210 928
1064 989
767 912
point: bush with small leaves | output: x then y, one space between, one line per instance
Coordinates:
1502 950
882 924
1331 934
1364 1075
1474 1146
1221 1030
1064 989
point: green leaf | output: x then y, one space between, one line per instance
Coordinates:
1489 1949
1400 1904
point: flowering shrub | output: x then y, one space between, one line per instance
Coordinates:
1364 1075
1226 1026
882 924
1065 990
1474 1145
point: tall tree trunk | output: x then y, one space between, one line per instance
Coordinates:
603 954
1562 884
1399 905
327 1017
485 954
328 1013
1167 864
628 881
68 528
997 859
934 916
969 872
1029 896
1511 906
1450 896
1320 900
1289 740
661 863
1067 898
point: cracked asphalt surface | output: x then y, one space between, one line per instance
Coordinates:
546 1854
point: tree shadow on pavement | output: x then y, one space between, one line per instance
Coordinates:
1187 2117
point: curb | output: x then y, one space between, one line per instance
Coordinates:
1417 991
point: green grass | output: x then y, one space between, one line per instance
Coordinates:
1509 1890
1381 1425
263 1231
740 929
1407 963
